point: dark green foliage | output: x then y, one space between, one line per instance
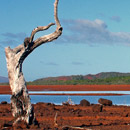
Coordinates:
111 80
4 83
78 77
100 78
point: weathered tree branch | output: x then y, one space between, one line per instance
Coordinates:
43 39
40 28
20 100
56 16
49 37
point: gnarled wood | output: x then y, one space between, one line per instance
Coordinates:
20 100
40 28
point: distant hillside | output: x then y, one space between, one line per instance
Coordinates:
100 78
3 79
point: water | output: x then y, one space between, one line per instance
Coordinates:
118 100
58 99
78 92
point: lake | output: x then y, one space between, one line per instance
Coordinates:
78 92
58 99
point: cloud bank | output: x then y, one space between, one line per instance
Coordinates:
116 18
78 31
91 32
12 39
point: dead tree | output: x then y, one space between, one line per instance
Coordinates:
20 100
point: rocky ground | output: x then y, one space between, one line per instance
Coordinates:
70 117
85 116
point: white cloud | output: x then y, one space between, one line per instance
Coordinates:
77 63
49 63
12 39
52 64
19 36
90 32
116 18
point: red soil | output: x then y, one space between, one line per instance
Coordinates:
71 116
5 89
80 88
54 117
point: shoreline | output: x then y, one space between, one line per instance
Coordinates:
90 117
94 116
88 94
5 89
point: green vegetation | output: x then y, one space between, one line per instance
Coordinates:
100 78
81 81
4 83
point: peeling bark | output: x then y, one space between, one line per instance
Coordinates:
20 100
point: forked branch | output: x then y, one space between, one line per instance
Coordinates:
49 37
40 28
43 39
30 44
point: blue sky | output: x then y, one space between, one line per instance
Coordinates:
96 36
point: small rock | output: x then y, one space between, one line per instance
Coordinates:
66 128
105 102
84 102
5 124
125 114
97 108
3 102
21 125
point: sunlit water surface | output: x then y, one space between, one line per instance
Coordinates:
58 99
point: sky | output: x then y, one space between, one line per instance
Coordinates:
96 36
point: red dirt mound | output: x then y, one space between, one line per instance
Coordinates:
71 117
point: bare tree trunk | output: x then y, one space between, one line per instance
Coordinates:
20 100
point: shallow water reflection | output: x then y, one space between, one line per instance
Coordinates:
78 92
58 99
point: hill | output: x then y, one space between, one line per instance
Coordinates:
100 78
3 79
